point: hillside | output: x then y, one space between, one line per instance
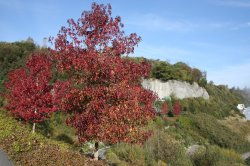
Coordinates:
25 148
214 124
13 55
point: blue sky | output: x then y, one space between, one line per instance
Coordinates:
213 35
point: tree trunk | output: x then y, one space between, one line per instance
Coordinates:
96 154
158 143
34 128
34 124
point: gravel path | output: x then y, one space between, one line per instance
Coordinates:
4 160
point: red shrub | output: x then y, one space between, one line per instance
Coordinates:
177 108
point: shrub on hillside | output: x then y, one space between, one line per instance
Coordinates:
55 128
163 147
179 71
168 107
215 156
29 149
214 106
248 161
182 131
176 108
216 133
221 102
126 154
12 56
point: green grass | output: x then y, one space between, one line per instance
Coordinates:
216 156
25 148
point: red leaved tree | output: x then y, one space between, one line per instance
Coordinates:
177 108
164 108
104 96
29 91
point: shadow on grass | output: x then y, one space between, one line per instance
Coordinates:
65 138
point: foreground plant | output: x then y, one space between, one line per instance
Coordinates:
29 92
103 91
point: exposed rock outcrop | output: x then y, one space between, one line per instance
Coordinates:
179 89
246 155
191 150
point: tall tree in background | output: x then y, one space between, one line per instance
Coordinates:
29 92
104 94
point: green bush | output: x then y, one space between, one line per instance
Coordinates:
184 121
165 71
179 71
160 149
248 161
25 148
12 56
163 147
126 154
221 102
56 128
114 159
215 156
216 133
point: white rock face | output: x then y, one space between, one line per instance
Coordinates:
241 107
179 89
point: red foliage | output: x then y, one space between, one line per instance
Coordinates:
103 92
29 92
177 108
96 30
164 109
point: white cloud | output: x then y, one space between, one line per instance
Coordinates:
236 75
158 23
240 26
217 67
14 4
234 3
39 15
155 22
170 54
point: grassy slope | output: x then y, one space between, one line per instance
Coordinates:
202 123
27 149
215 124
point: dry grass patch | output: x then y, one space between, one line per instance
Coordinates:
238 125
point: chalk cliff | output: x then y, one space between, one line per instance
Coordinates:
179 89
